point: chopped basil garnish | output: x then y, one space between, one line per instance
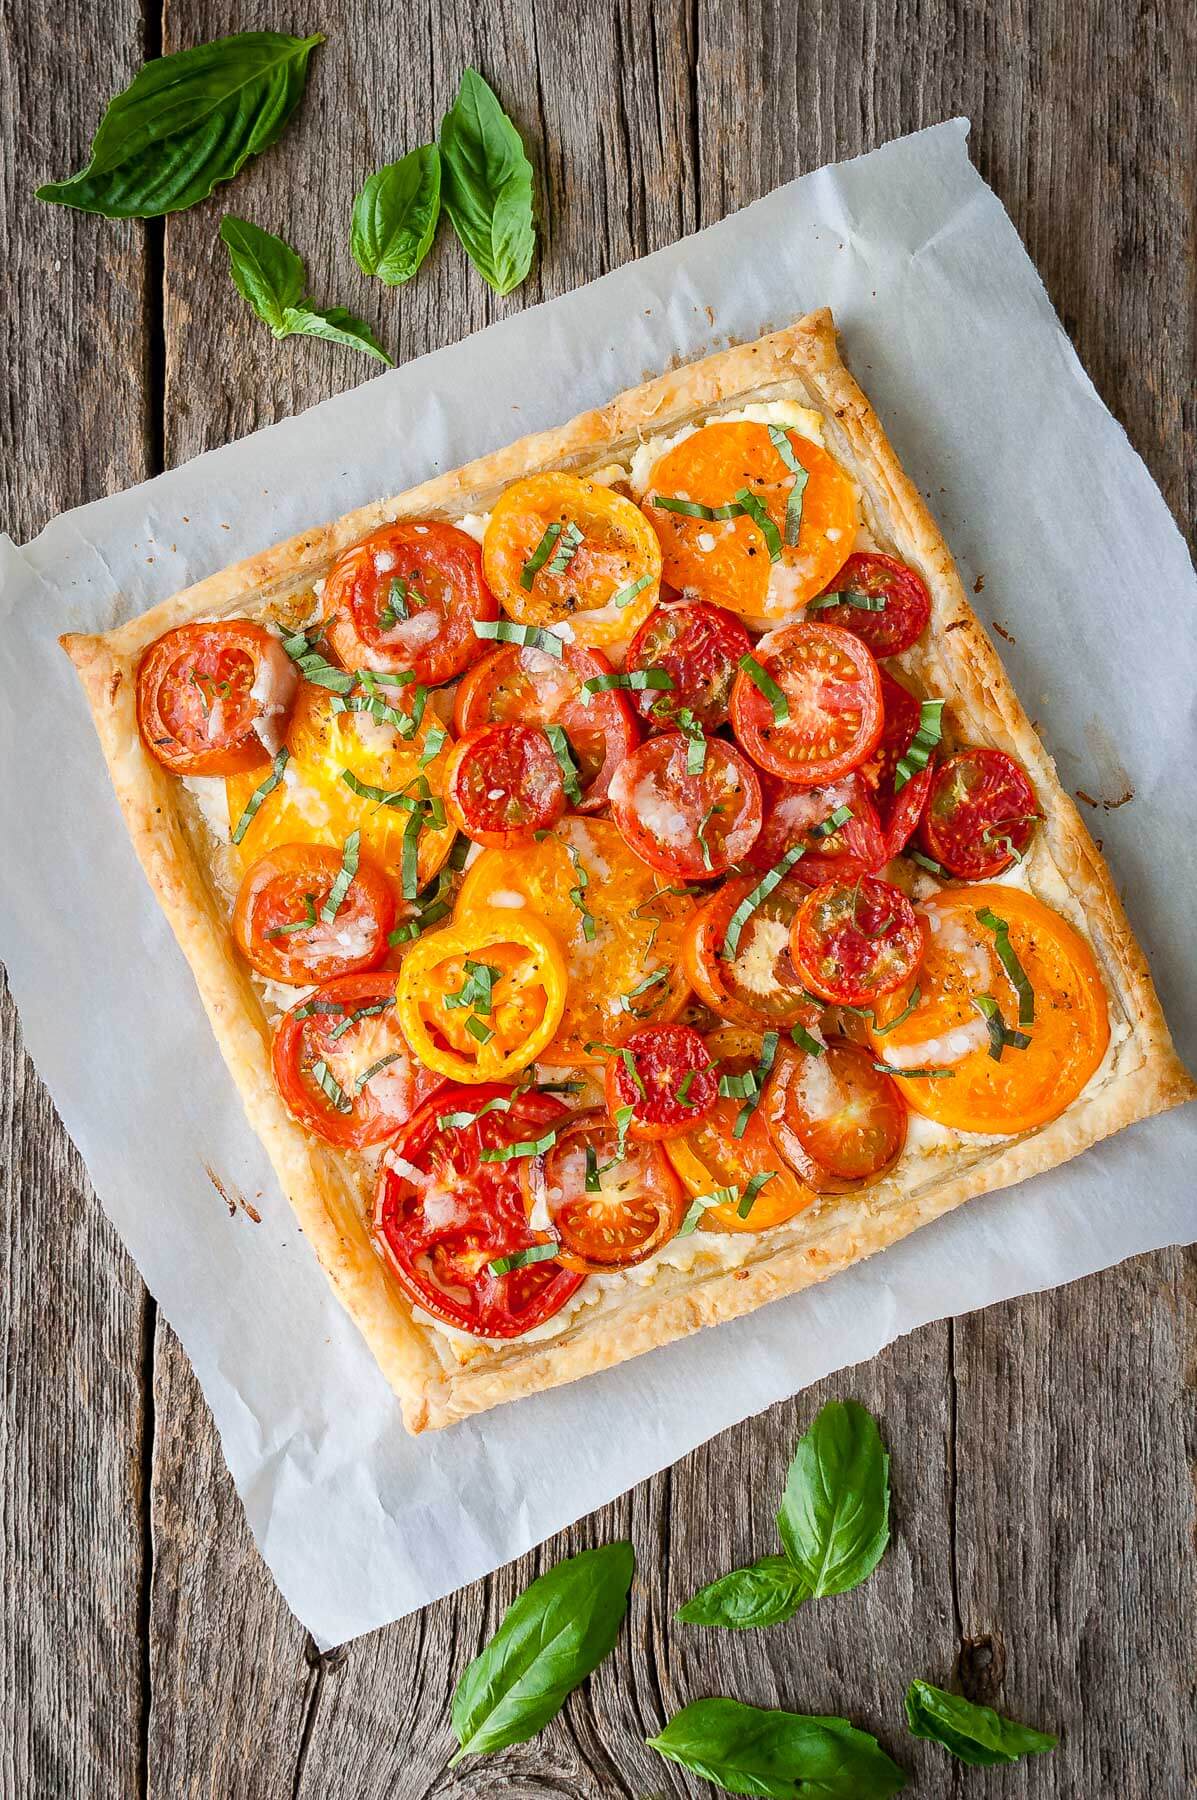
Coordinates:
591 1182
477 990
634 680
345 875
377 707
429 911
1001 1035
324 1077
752 1189
304 924
519 1259
755 509
915 1074
712 811
694 509
848 597
318 1005
259 794
569 543
629 1062
506 631
384 1062
459 855
479 1029
380 796
434 743
724 1196
925 740
540 555
684 1086
359 1013
578 894
916 994
696 753
409 855
516 1152
781 443
625 595
1008 958
831 824
805 1041
455 1120
314 667
641 988
565 762
750 902
759 1077
760 678
927 862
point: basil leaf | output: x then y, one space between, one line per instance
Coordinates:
269 275
187 121
974 1734
834 1517
550 1639
395 215
487 185
755 1750
337 325
766 1593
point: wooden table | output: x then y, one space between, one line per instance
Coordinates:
1045 1545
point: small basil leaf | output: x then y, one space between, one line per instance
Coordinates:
974 1734
834 1518
395 215
187 121
766 1593
550 1639
753 1750
335 324
270 276
487 185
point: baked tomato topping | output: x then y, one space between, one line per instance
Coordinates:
611 1200
306 913
558 548
810 710
731 559
853 941
853 845
980 814
211 698
899 804
405 598
699 647
870 578
665 1074
751 979
449 1212
342 1063
521 684
691 827
502 783
837 1120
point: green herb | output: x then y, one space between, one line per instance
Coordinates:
751 1190
974 1734
768 1592
518 1259
516 1153
684 1086
738 1087
634 1076
641 988
396 608
1001 1035
760 678
384 1062
578 894
378 709
760 1075
1001 840
834 1517
1008 957
696 752
565 762
830 825
540 555
409 855
304 924
434 743
395 215
916 994
625 595
479 1029
259 794
750 902
781 1755
804 1040
781 443
634 680
915 1074
316 668
269 275
873 603
317 1005
694 509
622 1116
359 1013
724 1196
591 1183
435 905
486 185
755 509
927 862
925 740
477 990
186 122
506 631
345 875
568 546
324 1078
456 1120
713 810
549 1640
459 855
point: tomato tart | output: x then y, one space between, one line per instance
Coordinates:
621 879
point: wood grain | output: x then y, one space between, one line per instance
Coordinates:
1045 1550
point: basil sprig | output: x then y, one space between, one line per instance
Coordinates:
395 215
768 1592
974 1734
486 185
560 745
259 794
1001 1036
269 275
634 680
757 1750
781 443
550 1639
535 1253
186 122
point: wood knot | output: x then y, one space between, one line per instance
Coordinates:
981 1668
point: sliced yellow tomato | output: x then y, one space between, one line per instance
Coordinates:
619 923
962 977
561 548
480 999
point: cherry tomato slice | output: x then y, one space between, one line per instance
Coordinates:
445 1212
830 690
664 1073
502 783
699 647
210 698
692 827
980 813
907 608
852 942
759 985
343 1065
633 1204
898 808
522 684
795 815
278 923
837 1120
406 598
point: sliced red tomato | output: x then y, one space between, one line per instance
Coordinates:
758 984
406 597
502 783
611 1204
795 815
837 1120
898 808
699 647
665 1074
447 1209
852 942
524 685
980 814
211 698
689 826
279 924
822 713
906 604
343 1065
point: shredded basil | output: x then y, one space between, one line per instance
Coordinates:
755 509
750 902
684 1086
396 607
625 595
629 1062
456 1120
477 990
506 631
641 988
873 603
925 740
724 1196
634 680
304 924
318 1005
781 443
915 1074
479 1029
517 1152
259 794
340 887
760 1075
359 1013
916 994
434 743
712 811
314 667
324 1077
831 824
1001 1035
565 762
519 1259
752 1189
1008 957
377 708
805 1041
760 678
540 555
927 862
384 1062
591 1182
568 545
578 894
694 509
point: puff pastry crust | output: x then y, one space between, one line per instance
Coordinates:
1141 1073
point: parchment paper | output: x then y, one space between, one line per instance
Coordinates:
950 331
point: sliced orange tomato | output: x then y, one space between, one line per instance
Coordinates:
728 560
1021 1087
712 1157
558 547
838 1121
619 923
480 999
